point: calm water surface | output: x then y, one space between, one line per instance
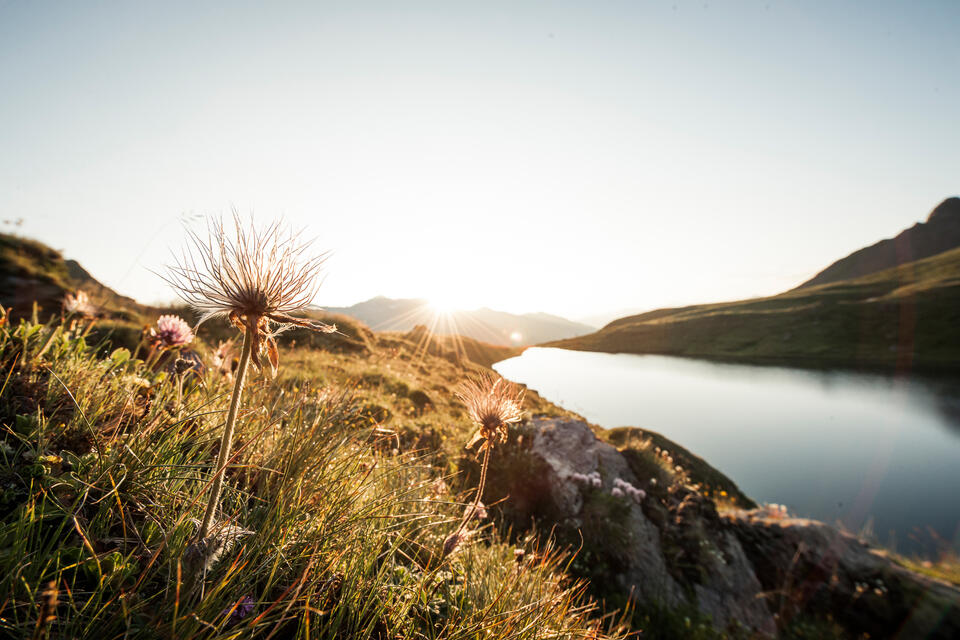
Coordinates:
861 449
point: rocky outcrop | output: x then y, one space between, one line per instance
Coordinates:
753 569
806 565
676 551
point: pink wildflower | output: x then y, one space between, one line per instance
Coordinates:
591 479
622 488
172 331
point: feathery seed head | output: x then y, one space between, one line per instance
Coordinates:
254 277
493 404
171 331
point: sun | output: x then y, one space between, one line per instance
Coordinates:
442 306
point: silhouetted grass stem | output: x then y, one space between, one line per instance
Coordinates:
472 509
228 429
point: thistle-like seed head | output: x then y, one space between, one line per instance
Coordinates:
493 404
253 277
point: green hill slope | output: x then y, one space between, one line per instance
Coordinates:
904 317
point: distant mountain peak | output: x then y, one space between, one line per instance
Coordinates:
485 324
949 208
941 232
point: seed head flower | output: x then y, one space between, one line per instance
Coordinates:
493 405
79 304
254 277
171 331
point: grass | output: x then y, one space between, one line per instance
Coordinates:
946 567
348 473
651 455
903 318
335 520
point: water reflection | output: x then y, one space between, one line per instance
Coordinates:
859 449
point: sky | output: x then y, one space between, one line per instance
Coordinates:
578 158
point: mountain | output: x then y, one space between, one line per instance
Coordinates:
488 325
941 232
32 272
601 319
901 317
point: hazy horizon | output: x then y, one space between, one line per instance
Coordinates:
575 159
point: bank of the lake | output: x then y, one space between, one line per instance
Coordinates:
900 320
865 450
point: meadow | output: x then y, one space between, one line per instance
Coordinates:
354 497
333 525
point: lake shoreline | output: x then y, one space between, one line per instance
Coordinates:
833 444
946 370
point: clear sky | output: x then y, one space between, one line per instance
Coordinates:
570 157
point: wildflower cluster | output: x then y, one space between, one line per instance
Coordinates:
591 479
623 489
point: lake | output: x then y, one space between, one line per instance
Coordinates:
864 450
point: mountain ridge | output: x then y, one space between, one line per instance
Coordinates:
489 325
940 232
902 317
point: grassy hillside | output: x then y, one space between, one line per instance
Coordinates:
349 473
341 493
31 272
905 317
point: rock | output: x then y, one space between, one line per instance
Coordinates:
807 566
671 548
703 564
